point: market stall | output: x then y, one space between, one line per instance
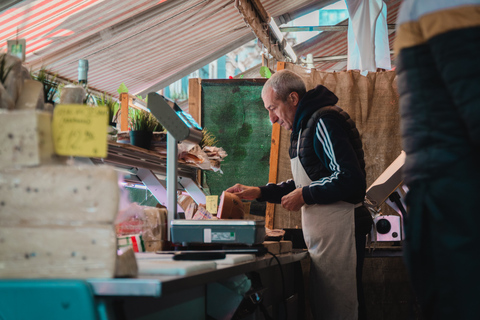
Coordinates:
59 210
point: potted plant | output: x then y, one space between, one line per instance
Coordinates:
50 84
112 106
142 126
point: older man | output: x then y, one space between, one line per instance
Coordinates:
329 187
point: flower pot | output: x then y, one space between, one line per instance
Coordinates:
141 139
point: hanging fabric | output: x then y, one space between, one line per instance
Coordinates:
368 46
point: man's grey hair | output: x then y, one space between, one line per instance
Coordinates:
283 82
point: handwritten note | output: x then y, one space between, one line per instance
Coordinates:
80 130
212 204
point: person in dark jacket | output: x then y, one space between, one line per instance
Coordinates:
329 187
438 68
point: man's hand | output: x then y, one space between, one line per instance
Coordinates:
245 192
294 200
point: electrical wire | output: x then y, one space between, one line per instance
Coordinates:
284 296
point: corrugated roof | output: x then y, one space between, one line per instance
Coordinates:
145 44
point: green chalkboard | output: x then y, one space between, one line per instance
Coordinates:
234 113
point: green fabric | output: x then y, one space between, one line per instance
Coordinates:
235 115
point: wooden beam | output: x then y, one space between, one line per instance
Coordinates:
195 99
262 13
124 98
195 110
254 21
274 155
274 152
272 176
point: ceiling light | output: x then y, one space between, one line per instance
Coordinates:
276 31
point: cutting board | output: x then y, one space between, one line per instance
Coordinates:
232 259
163 264
173 268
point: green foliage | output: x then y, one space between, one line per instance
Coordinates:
112 105
141 120
265 72
122 89
208 139
237 117
3 70
49 81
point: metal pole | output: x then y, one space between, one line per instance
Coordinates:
172 154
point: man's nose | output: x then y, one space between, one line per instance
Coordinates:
273 117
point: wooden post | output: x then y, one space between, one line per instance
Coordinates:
195 108
195 99
124 112
274 153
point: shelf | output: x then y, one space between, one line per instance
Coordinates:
130 158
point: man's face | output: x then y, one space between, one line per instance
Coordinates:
279 111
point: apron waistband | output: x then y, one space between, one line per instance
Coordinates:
358 205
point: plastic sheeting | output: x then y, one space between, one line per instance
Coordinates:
368 47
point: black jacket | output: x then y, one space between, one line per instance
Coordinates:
330 151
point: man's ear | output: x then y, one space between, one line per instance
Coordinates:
295 98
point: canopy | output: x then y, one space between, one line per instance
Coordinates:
145 44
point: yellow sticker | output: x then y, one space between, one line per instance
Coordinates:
80 130
212 204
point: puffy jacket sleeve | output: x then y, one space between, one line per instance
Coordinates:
274 192
346 181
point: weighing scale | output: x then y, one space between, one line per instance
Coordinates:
181 126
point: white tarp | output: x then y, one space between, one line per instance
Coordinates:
368 45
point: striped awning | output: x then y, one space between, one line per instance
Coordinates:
143 43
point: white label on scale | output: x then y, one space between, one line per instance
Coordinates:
207 235
223 236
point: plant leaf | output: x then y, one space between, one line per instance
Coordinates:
122 89
265 72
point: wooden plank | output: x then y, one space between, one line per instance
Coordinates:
124 112
253 20
281 65
274 149
195 99
262 13
195 109
274 154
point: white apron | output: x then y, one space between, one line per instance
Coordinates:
329 232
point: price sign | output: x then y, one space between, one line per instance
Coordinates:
17 48
212 204
80 130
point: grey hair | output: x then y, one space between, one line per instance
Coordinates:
283 82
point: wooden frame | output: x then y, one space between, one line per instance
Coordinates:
195 106
274 155
126 101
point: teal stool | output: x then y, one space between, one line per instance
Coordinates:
48 299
